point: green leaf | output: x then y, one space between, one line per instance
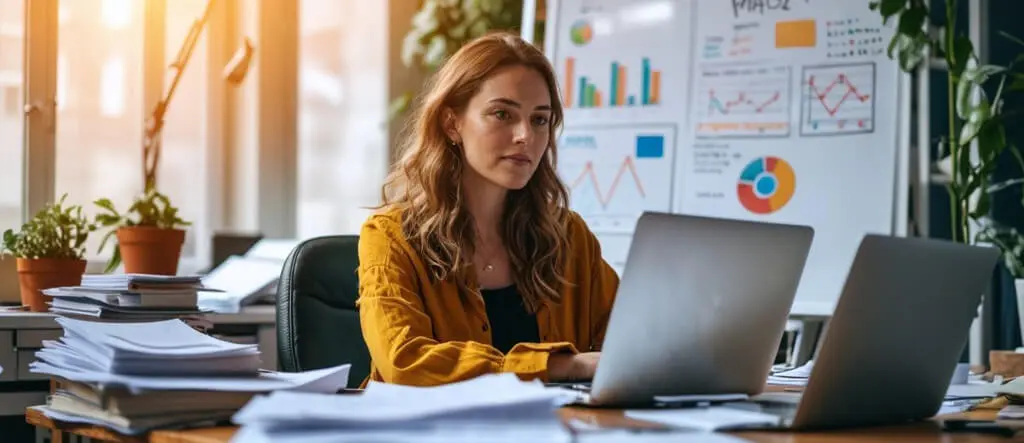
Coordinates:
963 50
892 7
1012 38
106 237
1003 185
908 50
1018 83
912 22
436 52
991 141
982 206
107 220
399 105
976 119
970 83
56 231
982 73
115 260
964 90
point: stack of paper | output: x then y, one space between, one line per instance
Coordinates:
168 347
134 377
247 279
129 297
792 377
240 281
496 407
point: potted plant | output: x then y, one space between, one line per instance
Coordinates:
976 119
49 250
149 234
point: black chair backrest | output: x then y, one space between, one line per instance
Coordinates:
317 320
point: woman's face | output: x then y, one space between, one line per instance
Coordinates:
504 129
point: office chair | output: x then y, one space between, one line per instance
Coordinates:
317 320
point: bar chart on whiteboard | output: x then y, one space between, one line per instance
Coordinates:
608 67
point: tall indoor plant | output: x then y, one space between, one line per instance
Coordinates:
150 233
50 251
976 118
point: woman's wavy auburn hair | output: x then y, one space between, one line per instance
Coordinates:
426 183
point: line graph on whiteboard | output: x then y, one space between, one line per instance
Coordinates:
603 197
615 174
743 101
838 99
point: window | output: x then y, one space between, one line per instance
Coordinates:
12 38
342 113
62 82
183 166
111 87
117 14
99 129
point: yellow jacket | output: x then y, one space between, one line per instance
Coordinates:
422 333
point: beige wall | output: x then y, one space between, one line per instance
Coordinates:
400 78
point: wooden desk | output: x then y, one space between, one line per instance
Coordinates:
926 431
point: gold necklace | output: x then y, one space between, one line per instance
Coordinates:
488 266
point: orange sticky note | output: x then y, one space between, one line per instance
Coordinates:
795 34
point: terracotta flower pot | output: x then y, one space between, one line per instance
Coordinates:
149 250
37 274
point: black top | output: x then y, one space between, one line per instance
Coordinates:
511 323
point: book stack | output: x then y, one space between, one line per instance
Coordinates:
136 377
131 298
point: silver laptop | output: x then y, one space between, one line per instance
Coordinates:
895 336
701 308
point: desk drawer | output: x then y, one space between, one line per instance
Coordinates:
33 338
25 357
8 356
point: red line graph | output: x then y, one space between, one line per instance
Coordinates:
741 99
604 199
822 95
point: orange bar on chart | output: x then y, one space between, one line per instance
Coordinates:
796 34
569 64
655 87
620 94
597 99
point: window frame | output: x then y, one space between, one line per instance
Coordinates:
40 104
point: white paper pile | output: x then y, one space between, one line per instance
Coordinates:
129 297
168 347
497 407
241 281
792 377
135 377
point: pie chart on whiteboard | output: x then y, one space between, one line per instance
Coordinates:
766 185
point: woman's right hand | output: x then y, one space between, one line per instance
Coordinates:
572 367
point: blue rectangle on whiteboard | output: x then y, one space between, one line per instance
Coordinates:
650 146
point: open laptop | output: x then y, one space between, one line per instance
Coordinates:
895 336
701 308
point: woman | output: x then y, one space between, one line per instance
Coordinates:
475 264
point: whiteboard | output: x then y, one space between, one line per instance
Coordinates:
785 111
